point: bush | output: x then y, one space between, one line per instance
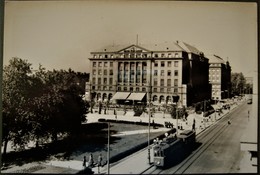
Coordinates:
138 110
181 111
130 122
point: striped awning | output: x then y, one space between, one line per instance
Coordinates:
136 96
120 96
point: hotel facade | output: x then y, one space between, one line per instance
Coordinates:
219 77
136 73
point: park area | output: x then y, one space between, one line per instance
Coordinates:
91 140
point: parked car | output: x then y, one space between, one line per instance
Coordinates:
226 106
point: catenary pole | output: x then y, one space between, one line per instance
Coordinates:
108 148
149 120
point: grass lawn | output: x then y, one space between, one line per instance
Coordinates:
92 139
117 144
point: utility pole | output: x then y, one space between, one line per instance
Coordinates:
176 99
108 148
204 120
149 121
215 108
177 127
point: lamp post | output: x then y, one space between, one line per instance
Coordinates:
108 147
204 120
149 121
215 108
176 99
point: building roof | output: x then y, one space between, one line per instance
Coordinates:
148 47
112 48
189 48
215 59
163 47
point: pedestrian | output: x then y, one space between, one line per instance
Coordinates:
193 127
115 113
84 162
90 161
153 124
99 162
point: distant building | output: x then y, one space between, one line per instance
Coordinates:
136 73
219 77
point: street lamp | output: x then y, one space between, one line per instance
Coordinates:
108 147
176 99
204 114
149 121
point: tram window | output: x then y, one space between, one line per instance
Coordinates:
161 153
155 153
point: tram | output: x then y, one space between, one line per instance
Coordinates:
173 148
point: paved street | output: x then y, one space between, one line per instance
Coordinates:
220 150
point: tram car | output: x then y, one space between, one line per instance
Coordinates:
173 149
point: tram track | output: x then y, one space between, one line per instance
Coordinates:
205 138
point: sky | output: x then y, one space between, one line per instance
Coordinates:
61 34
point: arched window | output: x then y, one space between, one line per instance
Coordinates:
162 99
168 99
104 96
110 96
155 98
99 96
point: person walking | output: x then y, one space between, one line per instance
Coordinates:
90 161
193 125
115 113
99 162
84 162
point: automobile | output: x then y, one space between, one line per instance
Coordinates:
249 101
226 106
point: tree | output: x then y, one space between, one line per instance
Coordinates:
68 109
181 111
38 105
16 90
248 88
41 108
238 83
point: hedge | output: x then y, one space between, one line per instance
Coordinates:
130 122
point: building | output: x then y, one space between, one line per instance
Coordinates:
219 77
136 73
199 89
